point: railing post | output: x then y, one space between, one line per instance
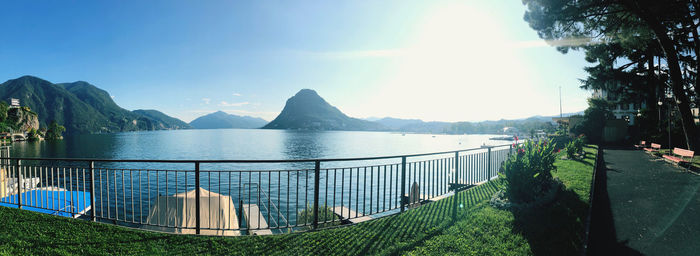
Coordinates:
510 150
488 164
197 198
18 174
92 190
456 168
403 183
240 213
317 179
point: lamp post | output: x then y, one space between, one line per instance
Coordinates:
660 104
669 127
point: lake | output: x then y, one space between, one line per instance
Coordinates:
227 144
128 192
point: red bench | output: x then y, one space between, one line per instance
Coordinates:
654 147
682 153
642 144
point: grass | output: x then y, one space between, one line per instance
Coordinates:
464 224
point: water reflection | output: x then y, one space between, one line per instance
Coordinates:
304 145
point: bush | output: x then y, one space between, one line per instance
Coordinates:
594 118
325 213
571 149
527 173
559 141
55 131
33 135
575 147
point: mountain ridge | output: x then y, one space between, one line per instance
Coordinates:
79 106
223 120
307 110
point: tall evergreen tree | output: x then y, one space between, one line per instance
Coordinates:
634 31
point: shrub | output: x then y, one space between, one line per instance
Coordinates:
575 147
55 131
32 135
559 141
578 144
527 173
571 149
325 213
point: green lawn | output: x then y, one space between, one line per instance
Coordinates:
464 224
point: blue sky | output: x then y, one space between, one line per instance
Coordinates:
433 60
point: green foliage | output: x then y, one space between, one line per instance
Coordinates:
530 124
55 131
326 217
571 149
575 147
3 111
629 41
528 172
594 118
79 106
559 141
33 135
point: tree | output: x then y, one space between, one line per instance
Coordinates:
641 29
594 118
55 131
3 111
32 135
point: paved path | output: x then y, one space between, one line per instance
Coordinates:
644 205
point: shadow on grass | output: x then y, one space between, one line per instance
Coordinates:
451 211
554 229
559 227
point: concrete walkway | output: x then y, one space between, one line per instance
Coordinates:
644 206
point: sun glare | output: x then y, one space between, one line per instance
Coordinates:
457 56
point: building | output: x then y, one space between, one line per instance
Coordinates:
622 110
14 103
510 130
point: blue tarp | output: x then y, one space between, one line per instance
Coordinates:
60 203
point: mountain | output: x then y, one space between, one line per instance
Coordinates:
413 125
308 111
79 106
222 120
397 123
162 121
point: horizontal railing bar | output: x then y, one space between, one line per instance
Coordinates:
244 161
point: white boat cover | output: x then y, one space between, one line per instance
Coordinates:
176 214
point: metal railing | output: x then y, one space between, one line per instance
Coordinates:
304 194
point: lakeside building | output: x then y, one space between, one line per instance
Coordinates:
623 110
14 103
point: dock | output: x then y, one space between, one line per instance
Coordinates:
255 221
347 214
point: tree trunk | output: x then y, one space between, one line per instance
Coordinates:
696 48
689 128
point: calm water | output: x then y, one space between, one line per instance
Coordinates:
128 194
223 144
